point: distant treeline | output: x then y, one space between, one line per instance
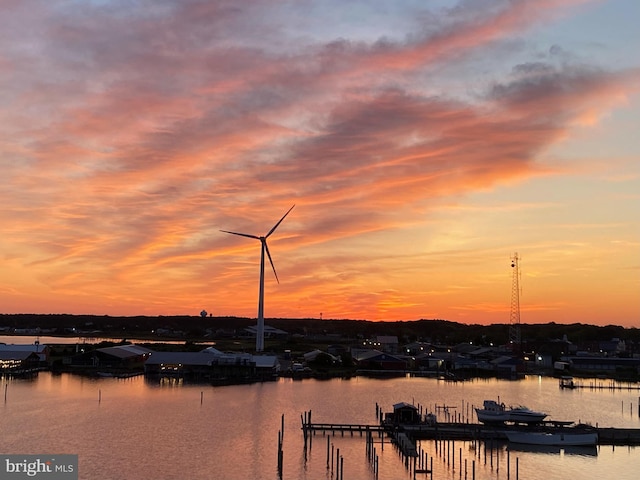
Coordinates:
434 331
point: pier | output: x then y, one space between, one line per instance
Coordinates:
570 383
409 425
342 428
463 431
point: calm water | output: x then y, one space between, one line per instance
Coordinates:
134 428
47 340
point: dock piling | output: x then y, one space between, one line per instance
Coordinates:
328 443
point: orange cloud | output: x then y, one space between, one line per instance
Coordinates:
129 141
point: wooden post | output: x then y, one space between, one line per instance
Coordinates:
491 454
280 454
334 457
304 430
99 396
201 395
453 455
328 443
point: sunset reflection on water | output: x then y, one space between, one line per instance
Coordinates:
164 429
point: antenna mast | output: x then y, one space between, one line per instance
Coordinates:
514 325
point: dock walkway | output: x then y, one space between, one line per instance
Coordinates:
460 431
342 428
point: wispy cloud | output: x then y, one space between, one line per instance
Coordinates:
133 131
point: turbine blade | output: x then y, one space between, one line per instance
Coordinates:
279 222
241 234
266 247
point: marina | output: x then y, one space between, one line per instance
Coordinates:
544 434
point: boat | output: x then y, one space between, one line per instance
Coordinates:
554 438
567 382
494 412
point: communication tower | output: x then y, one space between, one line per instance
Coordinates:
514 324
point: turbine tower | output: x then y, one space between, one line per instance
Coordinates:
514 325
265 248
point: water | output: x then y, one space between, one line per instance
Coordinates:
136 428
47 340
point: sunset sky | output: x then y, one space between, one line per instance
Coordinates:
423 143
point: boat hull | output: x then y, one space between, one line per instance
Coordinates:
491 417
526 416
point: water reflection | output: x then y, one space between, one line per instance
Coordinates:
165 429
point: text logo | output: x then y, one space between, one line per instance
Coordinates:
45 467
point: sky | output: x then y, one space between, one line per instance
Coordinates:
423 144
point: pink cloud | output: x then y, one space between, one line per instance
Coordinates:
131 136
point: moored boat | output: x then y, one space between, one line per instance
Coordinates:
494 412
567 382
554 438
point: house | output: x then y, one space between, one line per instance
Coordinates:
178 364
417 348
602 364
262 367
42 351
18 361
425 361
267 367
212 364
404 413
612 347
269 331
377 360
117 357
313 355
506 366
388 343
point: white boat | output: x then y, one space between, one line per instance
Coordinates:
494 412
554 438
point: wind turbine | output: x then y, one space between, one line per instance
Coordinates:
265 247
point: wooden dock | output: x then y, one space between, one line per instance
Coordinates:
618 436
570 383
342 428
477 431
406 445
458 431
